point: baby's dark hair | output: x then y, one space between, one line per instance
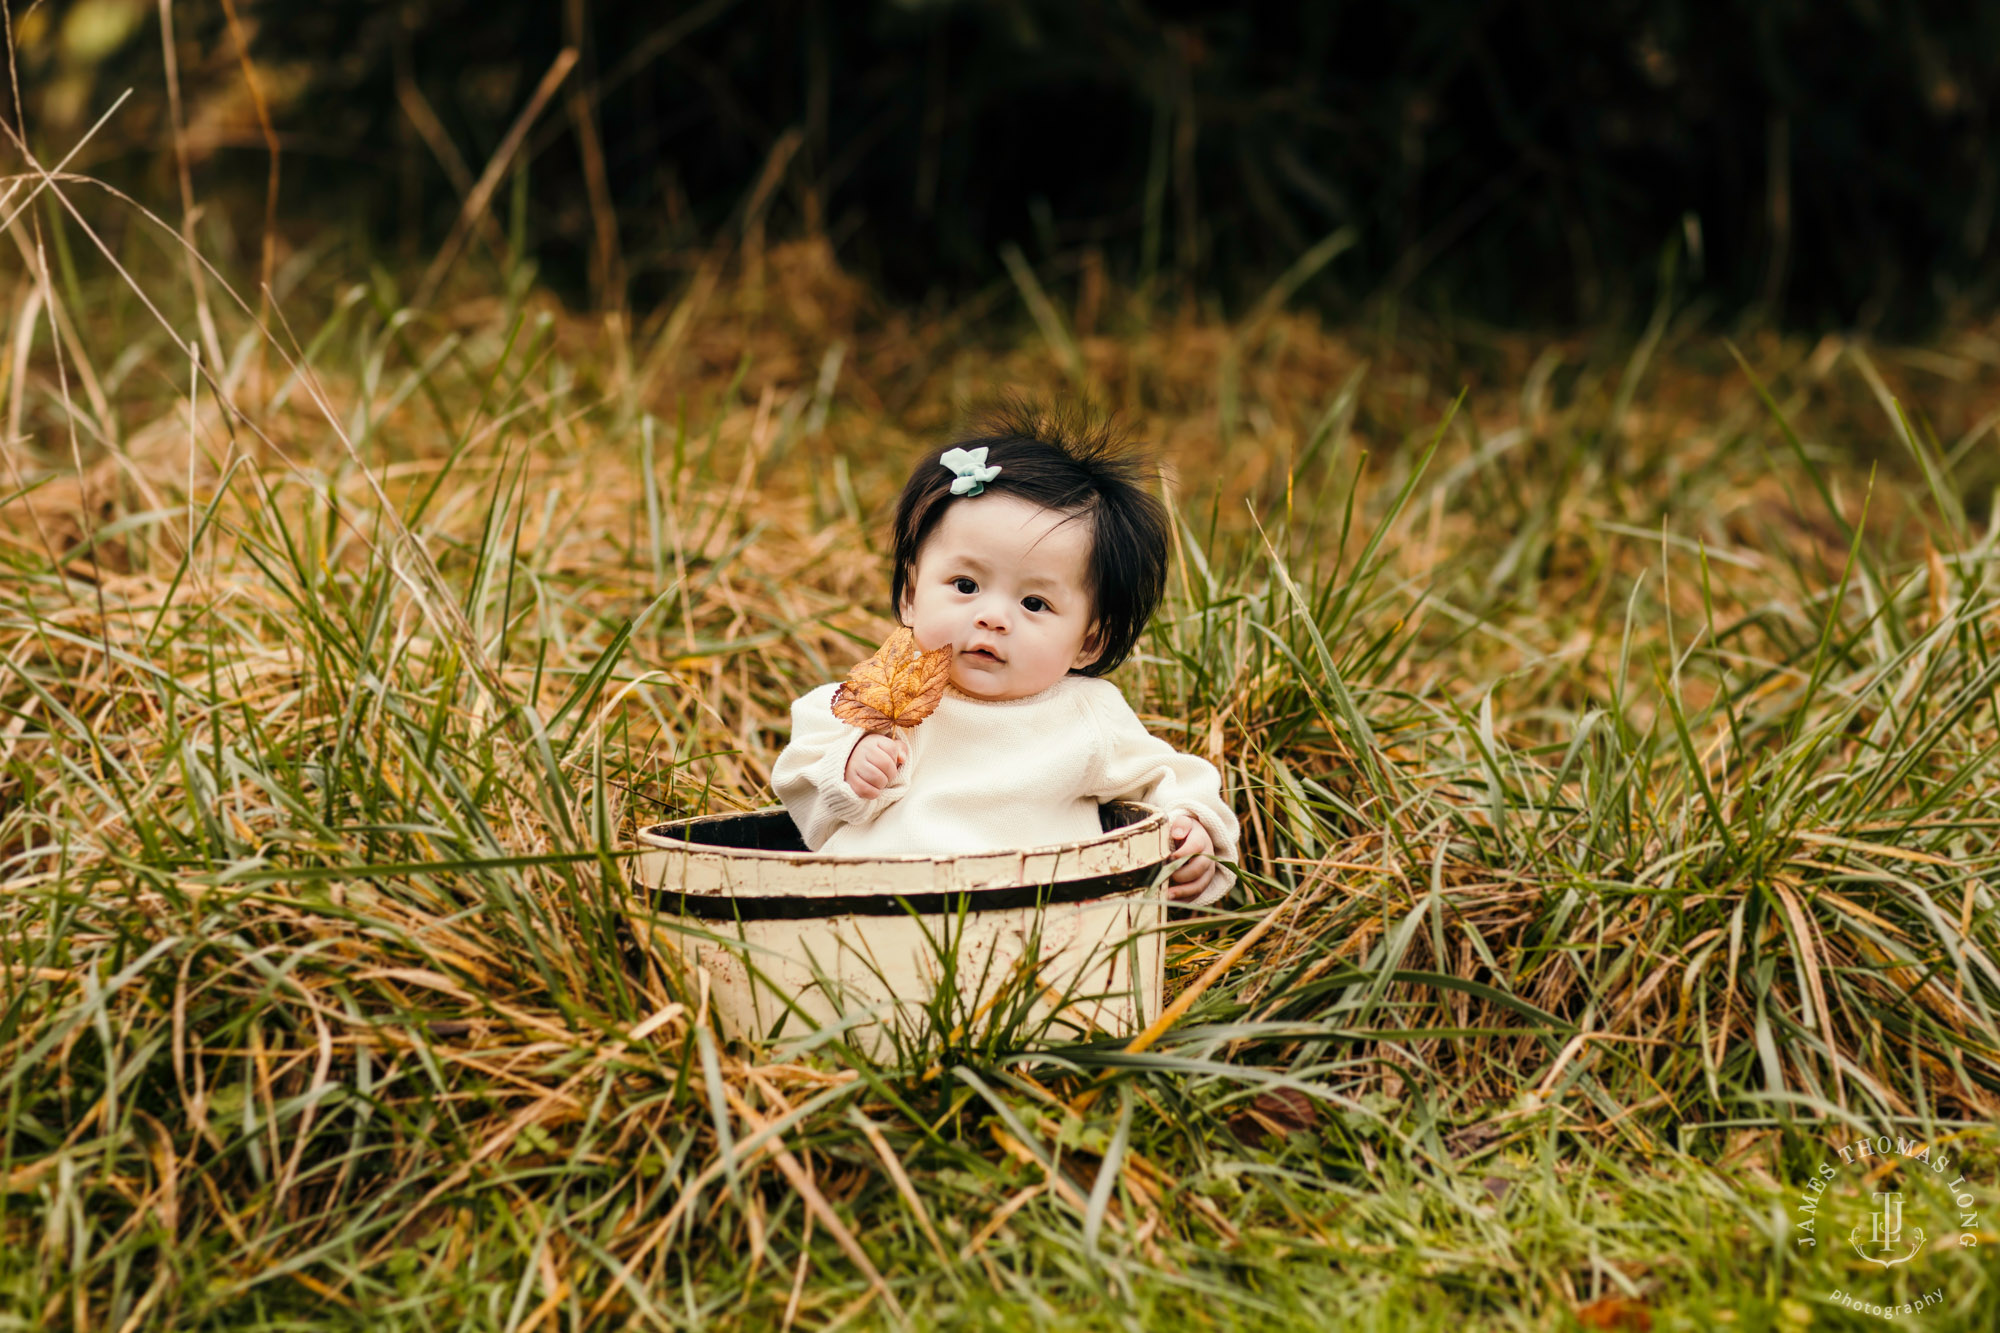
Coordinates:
1074 462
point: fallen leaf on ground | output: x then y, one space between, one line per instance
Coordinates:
1276 1113
1471 1138
899 686
1620 1314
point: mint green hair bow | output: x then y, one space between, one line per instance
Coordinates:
970 468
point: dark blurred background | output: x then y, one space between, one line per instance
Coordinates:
1528 162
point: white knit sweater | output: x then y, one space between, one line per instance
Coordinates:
992 776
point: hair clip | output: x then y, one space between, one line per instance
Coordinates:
969 466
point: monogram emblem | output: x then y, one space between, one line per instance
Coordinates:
1886 1244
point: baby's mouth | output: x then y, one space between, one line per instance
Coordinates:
983 655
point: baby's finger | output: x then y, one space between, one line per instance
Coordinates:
1195 867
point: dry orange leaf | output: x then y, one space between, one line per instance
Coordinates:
1617 1313
899 686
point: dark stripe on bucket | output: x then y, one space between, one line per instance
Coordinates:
722 907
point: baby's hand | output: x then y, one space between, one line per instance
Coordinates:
1191 878
872 765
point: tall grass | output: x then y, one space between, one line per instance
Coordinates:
1616 748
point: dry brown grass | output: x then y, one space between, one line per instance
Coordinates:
324 989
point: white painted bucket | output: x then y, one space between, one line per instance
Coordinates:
1048 944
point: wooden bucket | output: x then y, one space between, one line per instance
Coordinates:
1049 944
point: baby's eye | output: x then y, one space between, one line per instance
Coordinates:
1034 604
964 584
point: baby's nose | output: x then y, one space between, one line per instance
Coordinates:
993 616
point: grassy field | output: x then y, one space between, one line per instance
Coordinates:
1613 721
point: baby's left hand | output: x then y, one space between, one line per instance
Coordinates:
1191 878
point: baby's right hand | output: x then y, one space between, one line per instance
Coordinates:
873 764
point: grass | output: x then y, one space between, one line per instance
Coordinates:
1615 739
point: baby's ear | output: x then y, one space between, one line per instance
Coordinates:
1093 647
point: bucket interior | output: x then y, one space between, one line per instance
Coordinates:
773 830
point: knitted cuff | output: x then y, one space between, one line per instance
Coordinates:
829 779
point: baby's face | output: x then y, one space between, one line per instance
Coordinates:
1007 584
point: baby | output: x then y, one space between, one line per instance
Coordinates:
1032 549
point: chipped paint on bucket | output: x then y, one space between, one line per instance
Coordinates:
1064 941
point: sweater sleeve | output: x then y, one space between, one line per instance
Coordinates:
810 777
1137 765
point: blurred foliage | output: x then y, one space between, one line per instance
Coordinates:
1516 159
